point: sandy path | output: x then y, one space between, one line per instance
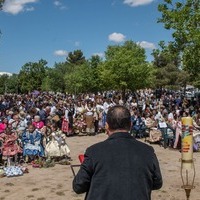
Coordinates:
55 183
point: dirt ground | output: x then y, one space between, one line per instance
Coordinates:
56 182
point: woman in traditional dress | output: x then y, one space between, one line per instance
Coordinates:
155 134
100 110
89 118
32 143
71 111
96 118
19 125
67 124
79 122
65 121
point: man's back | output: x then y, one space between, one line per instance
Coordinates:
120 168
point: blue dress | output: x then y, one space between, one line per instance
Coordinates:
32 144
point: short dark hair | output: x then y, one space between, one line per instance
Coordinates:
118 117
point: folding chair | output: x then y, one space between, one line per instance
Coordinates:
81 159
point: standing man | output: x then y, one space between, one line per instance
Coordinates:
119 168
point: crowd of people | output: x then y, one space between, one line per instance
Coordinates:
37 125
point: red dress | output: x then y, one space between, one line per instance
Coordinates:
10 146
65 125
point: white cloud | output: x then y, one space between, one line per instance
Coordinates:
30 9
134 3
147 45
58 4
101 55
117 37
16 6
60 53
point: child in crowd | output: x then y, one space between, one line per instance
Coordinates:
32 143
57 146
10 147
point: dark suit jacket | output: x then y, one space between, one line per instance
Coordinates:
119 168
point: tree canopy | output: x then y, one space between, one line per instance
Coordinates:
183 18
76 57
125 67
167 66
31 75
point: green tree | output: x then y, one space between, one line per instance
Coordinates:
9 84
12 84
31 76
76 57
3 83
76 72
94 62
167 64
183 18
55 77
80 80
125 68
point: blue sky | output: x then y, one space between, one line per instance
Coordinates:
50 29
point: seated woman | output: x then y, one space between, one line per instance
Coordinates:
57 146
79 124
38 123
155 134
32 140
18 124
138 127
89 118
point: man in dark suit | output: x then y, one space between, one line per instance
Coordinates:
119 168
